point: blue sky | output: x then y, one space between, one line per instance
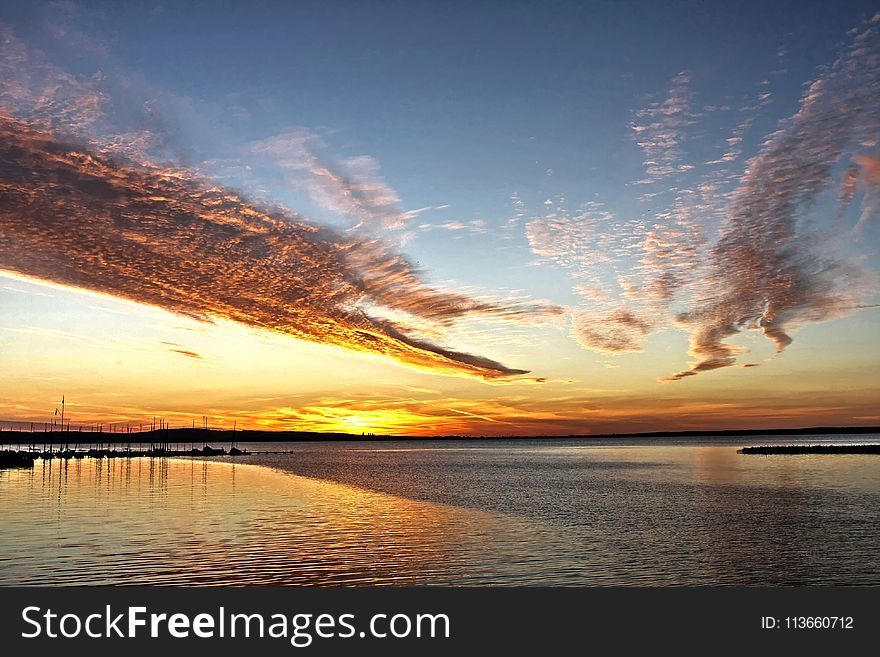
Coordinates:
466 104
463 101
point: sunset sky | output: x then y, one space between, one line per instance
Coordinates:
486 218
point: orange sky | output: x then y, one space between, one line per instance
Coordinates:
117 361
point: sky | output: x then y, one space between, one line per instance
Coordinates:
481 218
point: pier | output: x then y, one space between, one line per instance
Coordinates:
23 448
23 458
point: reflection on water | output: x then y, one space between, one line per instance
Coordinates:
526 512
168 521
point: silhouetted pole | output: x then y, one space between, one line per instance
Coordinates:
62 420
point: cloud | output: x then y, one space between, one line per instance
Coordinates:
616 265
732 251
670 254
94 196
848 188
768 270
162 237
617 332
577 241
31 86
472 227
869 179
351 187
179 349
735 141
659 130
187 353
592 292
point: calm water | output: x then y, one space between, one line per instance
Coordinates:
475 512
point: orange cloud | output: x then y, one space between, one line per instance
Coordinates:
870 180
163 238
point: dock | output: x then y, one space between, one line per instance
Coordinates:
24 458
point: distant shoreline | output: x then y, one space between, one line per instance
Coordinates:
207 436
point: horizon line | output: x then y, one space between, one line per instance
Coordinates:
333 435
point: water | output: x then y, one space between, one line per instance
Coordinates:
553 512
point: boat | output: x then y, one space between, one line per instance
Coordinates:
13 459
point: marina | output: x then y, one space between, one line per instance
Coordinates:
23 448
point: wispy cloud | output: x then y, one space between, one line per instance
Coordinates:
768 270
627 272
733 251
179 349
351 187
187 353
31 86
659 130
616 332
472 227
869 179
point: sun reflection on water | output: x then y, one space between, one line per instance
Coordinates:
166 521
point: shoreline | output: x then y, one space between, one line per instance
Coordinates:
189 435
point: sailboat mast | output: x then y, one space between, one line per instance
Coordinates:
62 421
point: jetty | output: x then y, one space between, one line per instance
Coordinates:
811 449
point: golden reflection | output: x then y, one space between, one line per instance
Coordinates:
178 521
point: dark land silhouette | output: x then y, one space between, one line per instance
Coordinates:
76 443
201 436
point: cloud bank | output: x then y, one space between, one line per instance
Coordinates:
161 237
93 195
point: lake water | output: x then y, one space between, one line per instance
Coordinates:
551 512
